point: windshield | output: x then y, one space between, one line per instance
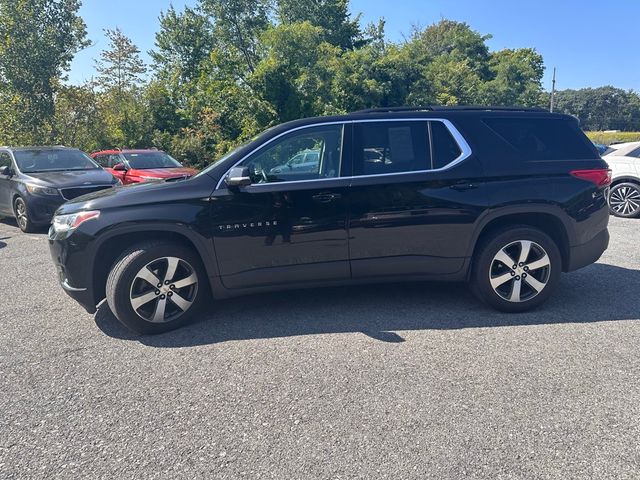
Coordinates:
147 160
34 161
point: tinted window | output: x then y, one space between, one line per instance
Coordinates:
391 147
147 160
32 161
543 138
307 154
5 159
445 147
103 160
635 153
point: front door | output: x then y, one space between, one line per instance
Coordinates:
290 225
5 185
414 199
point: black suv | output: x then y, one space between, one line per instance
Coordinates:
504 198
35 181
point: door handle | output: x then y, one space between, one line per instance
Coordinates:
461 187
326 197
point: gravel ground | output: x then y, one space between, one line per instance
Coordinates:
397 381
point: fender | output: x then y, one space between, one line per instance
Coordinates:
203 245
533 208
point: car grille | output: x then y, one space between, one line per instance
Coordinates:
74 192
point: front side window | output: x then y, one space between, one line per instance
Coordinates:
148 160
309 154
103 160
5 160
33 161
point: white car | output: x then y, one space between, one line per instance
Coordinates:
624 197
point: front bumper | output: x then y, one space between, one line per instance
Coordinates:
69 256
588 253
41 209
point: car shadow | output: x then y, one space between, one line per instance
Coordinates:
597 293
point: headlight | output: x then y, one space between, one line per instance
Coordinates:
66 223
38 190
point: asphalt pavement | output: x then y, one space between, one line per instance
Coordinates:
404 381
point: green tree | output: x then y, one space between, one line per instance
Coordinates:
38 39
120 66
332 16
604 108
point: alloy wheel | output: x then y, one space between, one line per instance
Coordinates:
164 290
625 200
21 214
520 271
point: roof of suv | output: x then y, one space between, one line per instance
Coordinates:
41 147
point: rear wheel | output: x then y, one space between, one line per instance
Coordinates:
22 216
156 287
516 269
624 200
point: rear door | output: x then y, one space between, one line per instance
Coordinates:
415 196
289 226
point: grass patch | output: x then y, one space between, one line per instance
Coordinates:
607 138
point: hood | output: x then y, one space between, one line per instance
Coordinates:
71 178
142 194
165 172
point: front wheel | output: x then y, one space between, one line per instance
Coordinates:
155 287
516 269
624 200
22 216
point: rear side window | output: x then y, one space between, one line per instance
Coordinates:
391 147
543 138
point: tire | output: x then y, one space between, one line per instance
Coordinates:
624 200
137 302
21 213
490 269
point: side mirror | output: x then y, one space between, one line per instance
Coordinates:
119 167
5 171
238 177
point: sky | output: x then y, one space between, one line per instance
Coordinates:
591 43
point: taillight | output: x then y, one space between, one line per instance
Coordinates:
600 176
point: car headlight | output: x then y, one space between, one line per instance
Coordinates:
66 223
39 190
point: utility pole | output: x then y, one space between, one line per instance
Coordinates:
553 89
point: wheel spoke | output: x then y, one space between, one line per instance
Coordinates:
172 264
542 262
180 302
515 291
535 284
149 277
501 280
137 302
525 248
504 257
158 315
185 282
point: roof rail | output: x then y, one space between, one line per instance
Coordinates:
441 108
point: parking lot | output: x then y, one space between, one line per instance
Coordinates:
386 381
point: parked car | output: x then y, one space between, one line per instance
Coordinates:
306 161
506 199
138 166
624 197
35 181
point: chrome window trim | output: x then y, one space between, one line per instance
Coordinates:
465 150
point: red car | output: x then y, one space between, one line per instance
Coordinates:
137 166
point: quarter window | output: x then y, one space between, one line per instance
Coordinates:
445 147
308 154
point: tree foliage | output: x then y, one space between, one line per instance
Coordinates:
38 40
224 70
